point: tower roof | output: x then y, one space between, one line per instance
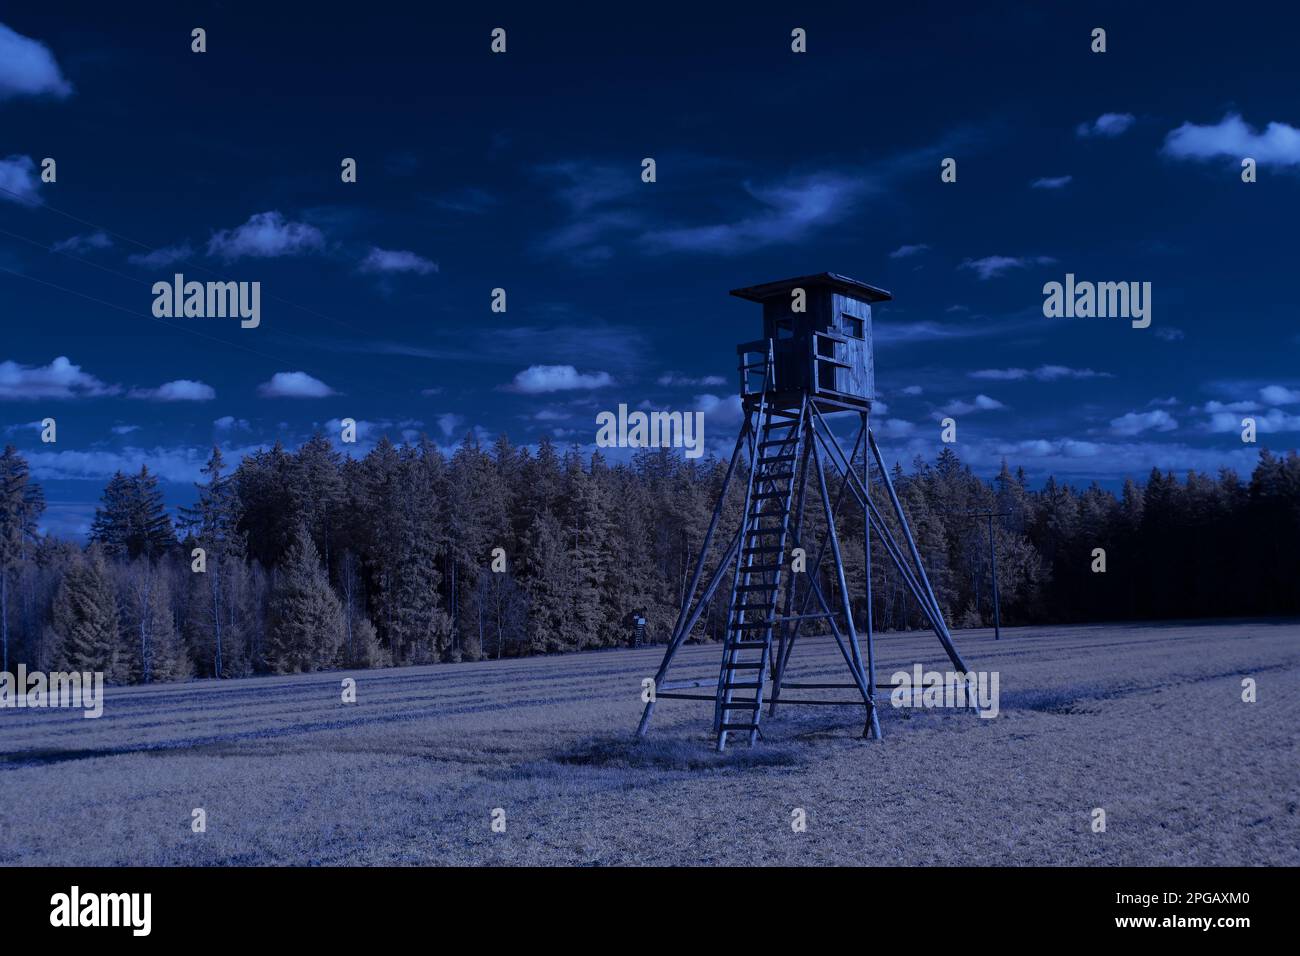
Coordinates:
820 280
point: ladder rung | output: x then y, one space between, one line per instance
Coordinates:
726 727
755 532
743 665
760 568
776 476
742 685
751 607
755 587
751 625
764 549
775 458
788 413
778 441
746 645
742 705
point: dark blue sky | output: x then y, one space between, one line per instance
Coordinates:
522 171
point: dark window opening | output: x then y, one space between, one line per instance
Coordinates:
853 326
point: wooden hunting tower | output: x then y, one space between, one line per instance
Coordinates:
814 359
820 330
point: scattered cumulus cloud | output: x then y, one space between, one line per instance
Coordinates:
266 235
788 211
396 260
674 379
61 379
540 379
1278 144
1279 395
1134 423
1051 182
161 258
449 423
28 68
294 385
1044 373
1272 421
903 251
94 240
1107 124
18 180
181 390
720 410
981 403
990 267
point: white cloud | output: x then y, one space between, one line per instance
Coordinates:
181 390
449 423
1044 373
230 423
982 403
991 267
95 240
266 235
720 410
396 260
294 385
913 390
1279 395
1107 124
58 380
674 379
791 210
903 251
161 258
125 429
28 68
18 180
1051 182
1231 136
897 428
1134 423
1272 421
1245 405
538 379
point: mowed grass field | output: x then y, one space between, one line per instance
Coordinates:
1145 722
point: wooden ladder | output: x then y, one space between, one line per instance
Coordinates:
760 562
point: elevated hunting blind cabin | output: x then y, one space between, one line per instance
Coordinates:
814 360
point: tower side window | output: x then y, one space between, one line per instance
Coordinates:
852 325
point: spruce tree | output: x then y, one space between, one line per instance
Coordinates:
21 504
306 629
84 620
131 520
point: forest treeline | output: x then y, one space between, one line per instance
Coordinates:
302 560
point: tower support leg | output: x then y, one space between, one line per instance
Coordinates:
686 619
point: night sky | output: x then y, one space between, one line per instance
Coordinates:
522 171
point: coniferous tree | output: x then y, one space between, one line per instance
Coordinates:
214 525
84 620
132 520
306 619
21 504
